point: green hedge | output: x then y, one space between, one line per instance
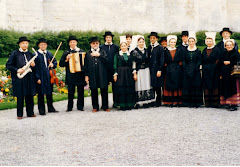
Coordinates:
9 38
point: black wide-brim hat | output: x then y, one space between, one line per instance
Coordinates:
153 34
163 39
184 33
42 40
93 39
21 39
72 38
108 33
226 29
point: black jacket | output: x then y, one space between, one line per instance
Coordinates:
77 78
96 69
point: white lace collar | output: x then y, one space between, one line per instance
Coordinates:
211 47
184 44
95 49
121 53
170 48
155 44
21 50
224 40
41 51
142 50
108 44
194 48
75 49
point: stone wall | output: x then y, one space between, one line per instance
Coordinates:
120 15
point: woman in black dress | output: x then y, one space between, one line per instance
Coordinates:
210 71
172 83
192 94
123 77
229 87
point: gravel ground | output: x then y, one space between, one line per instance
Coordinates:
155 136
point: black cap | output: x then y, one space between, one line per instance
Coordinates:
21 39
225 29
153 34
163 39
93 39
184 33
72 38
42 40
108 33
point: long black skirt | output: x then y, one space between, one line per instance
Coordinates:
125 88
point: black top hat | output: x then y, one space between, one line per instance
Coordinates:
225 29
42 40
72 38
163 39
184 33
153 34
93 39
108 33
21 39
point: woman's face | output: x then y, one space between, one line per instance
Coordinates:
172 43
229 46
226 34
191 42
209 42
124 47
141 43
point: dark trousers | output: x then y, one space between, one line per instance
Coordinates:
41 105
80 99
94 95
159 95
29 105
113 92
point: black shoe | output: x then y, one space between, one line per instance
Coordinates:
41 112
68 110
233 108
136 106
123 108
53 110
80 109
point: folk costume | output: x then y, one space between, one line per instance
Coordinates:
111 50
24 88
210 72
172 91
144 92
74 79
45 88
125 85
192 94
156 64
96 68
229 84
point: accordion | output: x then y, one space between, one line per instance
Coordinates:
76 62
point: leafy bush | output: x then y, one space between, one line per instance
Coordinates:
9 38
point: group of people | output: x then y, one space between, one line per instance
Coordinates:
160 74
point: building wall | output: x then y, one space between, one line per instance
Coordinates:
120 15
